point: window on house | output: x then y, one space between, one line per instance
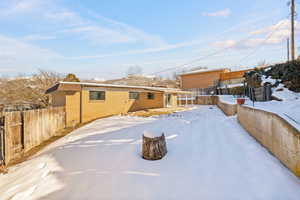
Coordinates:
134 95
97 95
150 95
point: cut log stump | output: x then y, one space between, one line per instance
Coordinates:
154 148
3 170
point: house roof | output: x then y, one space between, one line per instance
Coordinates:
204 71
77 86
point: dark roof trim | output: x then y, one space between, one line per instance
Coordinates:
77 86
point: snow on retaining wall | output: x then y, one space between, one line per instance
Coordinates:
275 133
227 108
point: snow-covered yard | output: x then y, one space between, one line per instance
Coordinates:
288 108
210 157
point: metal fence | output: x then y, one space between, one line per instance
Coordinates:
203 91
188 99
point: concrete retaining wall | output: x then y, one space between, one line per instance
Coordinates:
275 133
206 100
228 109
272 131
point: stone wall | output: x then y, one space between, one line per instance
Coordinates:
274 133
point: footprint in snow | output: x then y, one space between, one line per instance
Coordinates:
25 194
42 165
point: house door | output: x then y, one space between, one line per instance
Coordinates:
168 99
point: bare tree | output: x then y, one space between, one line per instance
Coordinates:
28 90
41 82
262 63
71 78
134 70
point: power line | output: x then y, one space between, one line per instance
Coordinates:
262 43
209 55
201 58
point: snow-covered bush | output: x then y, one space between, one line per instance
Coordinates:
254 78
288 74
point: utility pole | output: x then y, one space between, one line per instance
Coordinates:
288 48
293 29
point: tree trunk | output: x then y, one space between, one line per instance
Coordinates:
154 148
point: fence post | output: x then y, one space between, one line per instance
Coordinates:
2 142
22 130
186 100
268 92
192 99
252 95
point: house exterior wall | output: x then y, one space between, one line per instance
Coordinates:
200 80
80 109
58 99
144 103
117 102
232 81
72 108
174 100
229 78
233 75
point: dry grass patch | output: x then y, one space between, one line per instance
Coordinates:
158 111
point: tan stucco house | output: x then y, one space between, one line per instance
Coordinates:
233 78
87 101
201 79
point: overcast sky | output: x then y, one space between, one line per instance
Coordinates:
103 38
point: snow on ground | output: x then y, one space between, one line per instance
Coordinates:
285 94
269 79
209 157
232 85
229 99
288 108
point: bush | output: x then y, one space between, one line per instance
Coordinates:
253 78
286 73
237 91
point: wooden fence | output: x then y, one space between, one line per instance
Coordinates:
24 130
260 94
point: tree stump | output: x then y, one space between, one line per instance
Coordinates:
3 170
154 148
